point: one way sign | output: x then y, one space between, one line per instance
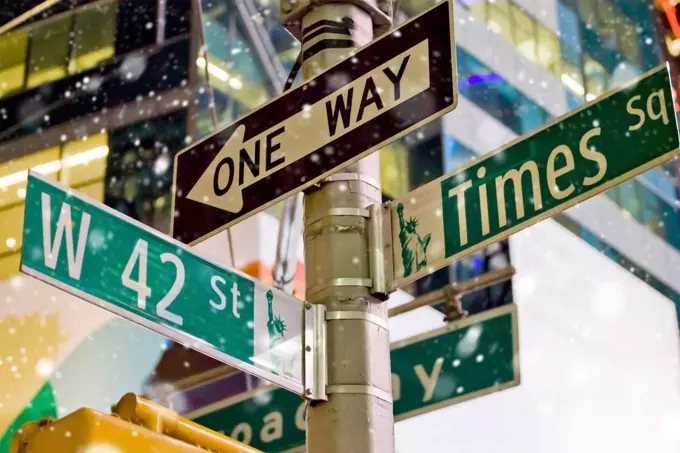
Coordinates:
385 90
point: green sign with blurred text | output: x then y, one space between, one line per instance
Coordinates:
577 156
463 360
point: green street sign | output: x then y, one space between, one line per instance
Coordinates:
577 156
463 360
105 258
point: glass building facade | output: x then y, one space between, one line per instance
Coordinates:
95 96
600 46
113 89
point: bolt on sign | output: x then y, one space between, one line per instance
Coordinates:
573 158
93 252
461 361
388 88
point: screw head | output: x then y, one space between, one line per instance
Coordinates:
308 348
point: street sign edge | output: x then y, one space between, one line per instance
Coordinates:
433 117
181 385
670 83
187 340
399 282
173 334
457 400
488 314
455 325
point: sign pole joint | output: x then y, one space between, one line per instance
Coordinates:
453 306
380 251
292 12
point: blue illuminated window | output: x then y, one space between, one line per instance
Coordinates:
497 96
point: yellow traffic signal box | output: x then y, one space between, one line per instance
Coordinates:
137 426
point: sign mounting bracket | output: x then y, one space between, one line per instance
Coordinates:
380 250
314 353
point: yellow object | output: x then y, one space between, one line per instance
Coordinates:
137 426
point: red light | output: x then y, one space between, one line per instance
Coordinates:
672 18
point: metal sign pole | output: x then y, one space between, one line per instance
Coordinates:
358 415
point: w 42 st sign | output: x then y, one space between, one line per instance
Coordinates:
95 253
385 90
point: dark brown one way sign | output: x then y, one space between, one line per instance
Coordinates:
393 85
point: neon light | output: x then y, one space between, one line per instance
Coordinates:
672 18
479 78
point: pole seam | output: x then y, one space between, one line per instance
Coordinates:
360 389
358 315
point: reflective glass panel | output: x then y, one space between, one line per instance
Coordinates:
548 49
49 51
93 37
524 33
498 19
12 61
84 160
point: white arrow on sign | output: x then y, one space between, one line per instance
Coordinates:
241 163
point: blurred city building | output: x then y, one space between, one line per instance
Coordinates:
102 94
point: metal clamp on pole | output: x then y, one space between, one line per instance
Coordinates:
380 250
360 315
314 356
361 212
341 281
358 389
453 306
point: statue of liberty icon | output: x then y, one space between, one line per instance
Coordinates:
413 246
275 325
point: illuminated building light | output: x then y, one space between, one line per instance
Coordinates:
673 46
675 99
213 70
573 85
478 78
235 83
44 368
86 157
82 158
494 26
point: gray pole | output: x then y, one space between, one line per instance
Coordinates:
357 417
